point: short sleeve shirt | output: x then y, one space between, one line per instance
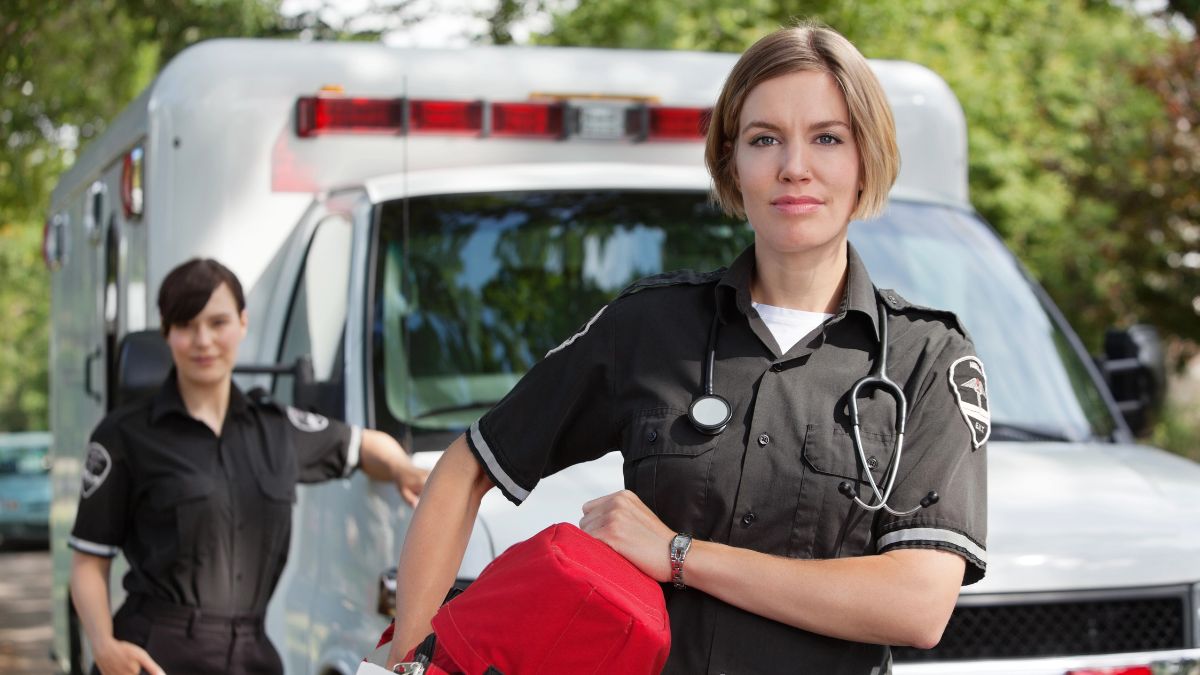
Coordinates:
771 481
204 520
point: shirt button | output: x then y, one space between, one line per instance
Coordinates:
748 519
651 436
776 367
872 462
763 439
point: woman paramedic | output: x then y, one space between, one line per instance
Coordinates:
195 485
797 526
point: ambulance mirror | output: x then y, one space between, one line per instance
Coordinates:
325 397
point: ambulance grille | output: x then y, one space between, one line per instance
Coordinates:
1011 627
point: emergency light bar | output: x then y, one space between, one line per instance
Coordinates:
604 120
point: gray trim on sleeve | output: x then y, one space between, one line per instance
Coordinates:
92 548
493 466
932 535
354 450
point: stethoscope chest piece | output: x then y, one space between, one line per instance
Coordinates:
710 414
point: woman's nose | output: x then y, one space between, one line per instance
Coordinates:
795 165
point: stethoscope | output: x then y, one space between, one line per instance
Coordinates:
710 414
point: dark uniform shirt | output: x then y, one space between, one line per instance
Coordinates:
204 520
770 481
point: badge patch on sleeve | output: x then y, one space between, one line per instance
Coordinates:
969 384
95 469
307 421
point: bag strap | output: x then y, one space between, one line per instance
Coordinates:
424 654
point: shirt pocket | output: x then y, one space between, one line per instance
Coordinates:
196 516
667 464
828 523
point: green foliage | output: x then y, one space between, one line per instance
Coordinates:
24 317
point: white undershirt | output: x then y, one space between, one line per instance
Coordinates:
789 325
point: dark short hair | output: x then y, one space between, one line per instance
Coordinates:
187 288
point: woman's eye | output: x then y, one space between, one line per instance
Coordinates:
828 139
764 140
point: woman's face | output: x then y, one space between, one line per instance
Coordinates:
205 349
797 164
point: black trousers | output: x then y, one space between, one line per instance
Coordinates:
186 640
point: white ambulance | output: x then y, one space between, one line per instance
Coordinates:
420 226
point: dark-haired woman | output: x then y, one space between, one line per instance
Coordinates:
195 485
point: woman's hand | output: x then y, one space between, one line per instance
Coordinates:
623 522
410 480
117 657
383 459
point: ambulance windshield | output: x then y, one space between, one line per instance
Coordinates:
472 290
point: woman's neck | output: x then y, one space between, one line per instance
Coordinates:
206 402
813 281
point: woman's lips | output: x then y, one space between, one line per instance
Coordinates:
797 205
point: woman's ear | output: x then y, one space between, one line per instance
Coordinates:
244 320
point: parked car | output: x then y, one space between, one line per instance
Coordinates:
25 487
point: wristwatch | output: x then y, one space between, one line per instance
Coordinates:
680 545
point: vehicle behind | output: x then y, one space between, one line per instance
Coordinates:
25 488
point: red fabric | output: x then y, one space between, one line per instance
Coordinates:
559 602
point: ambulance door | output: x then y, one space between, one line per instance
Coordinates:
79 376
321 597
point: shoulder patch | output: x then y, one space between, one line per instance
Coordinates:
969 384
897 303
96 467
676 278
307 421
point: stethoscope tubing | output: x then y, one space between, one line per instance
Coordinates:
876 379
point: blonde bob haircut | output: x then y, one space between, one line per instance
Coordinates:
804 47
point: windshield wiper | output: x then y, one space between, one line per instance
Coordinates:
460 407
1024 433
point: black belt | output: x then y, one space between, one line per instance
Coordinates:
193 617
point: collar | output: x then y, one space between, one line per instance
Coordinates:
859 295
168 400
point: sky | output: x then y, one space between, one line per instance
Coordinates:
451 23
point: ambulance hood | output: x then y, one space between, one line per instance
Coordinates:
1069 516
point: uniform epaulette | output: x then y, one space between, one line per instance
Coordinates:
898 303
676 278
261 397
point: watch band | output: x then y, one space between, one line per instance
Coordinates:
680 545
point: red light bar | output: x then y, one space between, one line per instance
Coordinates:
539 120
317 115
445 117
683 124
1117 670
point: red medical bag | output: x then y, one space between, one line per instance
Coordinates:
561 602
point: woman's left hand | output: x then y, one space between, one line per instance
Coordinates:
625 523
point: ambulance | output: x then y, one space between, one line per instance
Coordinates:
416 228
